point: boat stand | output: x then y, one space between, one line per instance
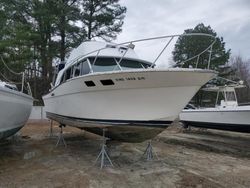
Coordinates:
61 140
149 152
51 133
16 138
103 156
186 127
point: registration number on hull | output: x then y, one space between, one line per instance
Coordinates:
129 79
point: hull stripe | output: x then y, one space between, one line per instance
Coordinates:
220 126
160 124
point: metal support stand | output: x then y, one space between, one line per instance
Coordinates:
149 152
61 140
186 127
202 129
103 155
16 138
51 133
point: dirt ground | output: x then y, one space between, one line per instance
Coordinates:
196 158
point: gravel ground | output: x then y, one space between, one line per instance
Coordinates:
195 158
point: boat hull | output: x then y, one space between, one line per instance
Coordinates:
134 96
232 119
15 108
121 130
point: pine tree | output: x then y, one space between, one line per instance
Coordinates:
71 35
187 47
102 18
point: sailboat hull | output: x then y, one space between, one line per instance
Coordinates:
15 108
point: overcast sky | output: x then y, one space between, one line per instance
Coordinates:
229 18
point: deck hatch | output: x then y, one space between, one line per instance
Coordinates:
90 83
107 82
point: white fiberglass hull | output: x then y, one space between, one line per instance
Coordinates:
150 97
15 108
235 118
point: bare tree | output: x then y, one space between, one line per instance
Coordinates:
242 68
242 72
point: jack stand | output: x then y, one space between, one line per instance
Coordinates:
16 138
51 133
83 131
149 152
202 129
103 155
60 137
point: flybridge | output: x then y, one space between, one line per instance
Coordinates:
100 49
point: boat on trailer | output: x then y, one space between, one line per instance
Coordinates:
228 115
15 109
106 85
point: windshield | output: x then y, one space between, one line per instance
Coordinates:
132 64
230 96
105 64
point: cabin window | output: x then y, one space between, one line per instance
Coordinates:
85 68
230 96
132 64
103 64
90 83
68 73
107 82
77 70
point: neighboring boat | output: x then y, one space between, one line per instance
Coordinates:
228 115
108 85
15 108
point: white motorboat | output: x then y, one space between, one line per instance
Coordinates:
108 85
228 115
15 108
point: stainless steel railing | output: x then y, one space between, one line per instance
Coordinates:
197 56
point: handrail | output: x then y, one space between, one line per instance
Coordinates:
198 55
155 38
228 80
210 54
9 69
16 73
96 57
9 81
162 51
22 81
120 60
